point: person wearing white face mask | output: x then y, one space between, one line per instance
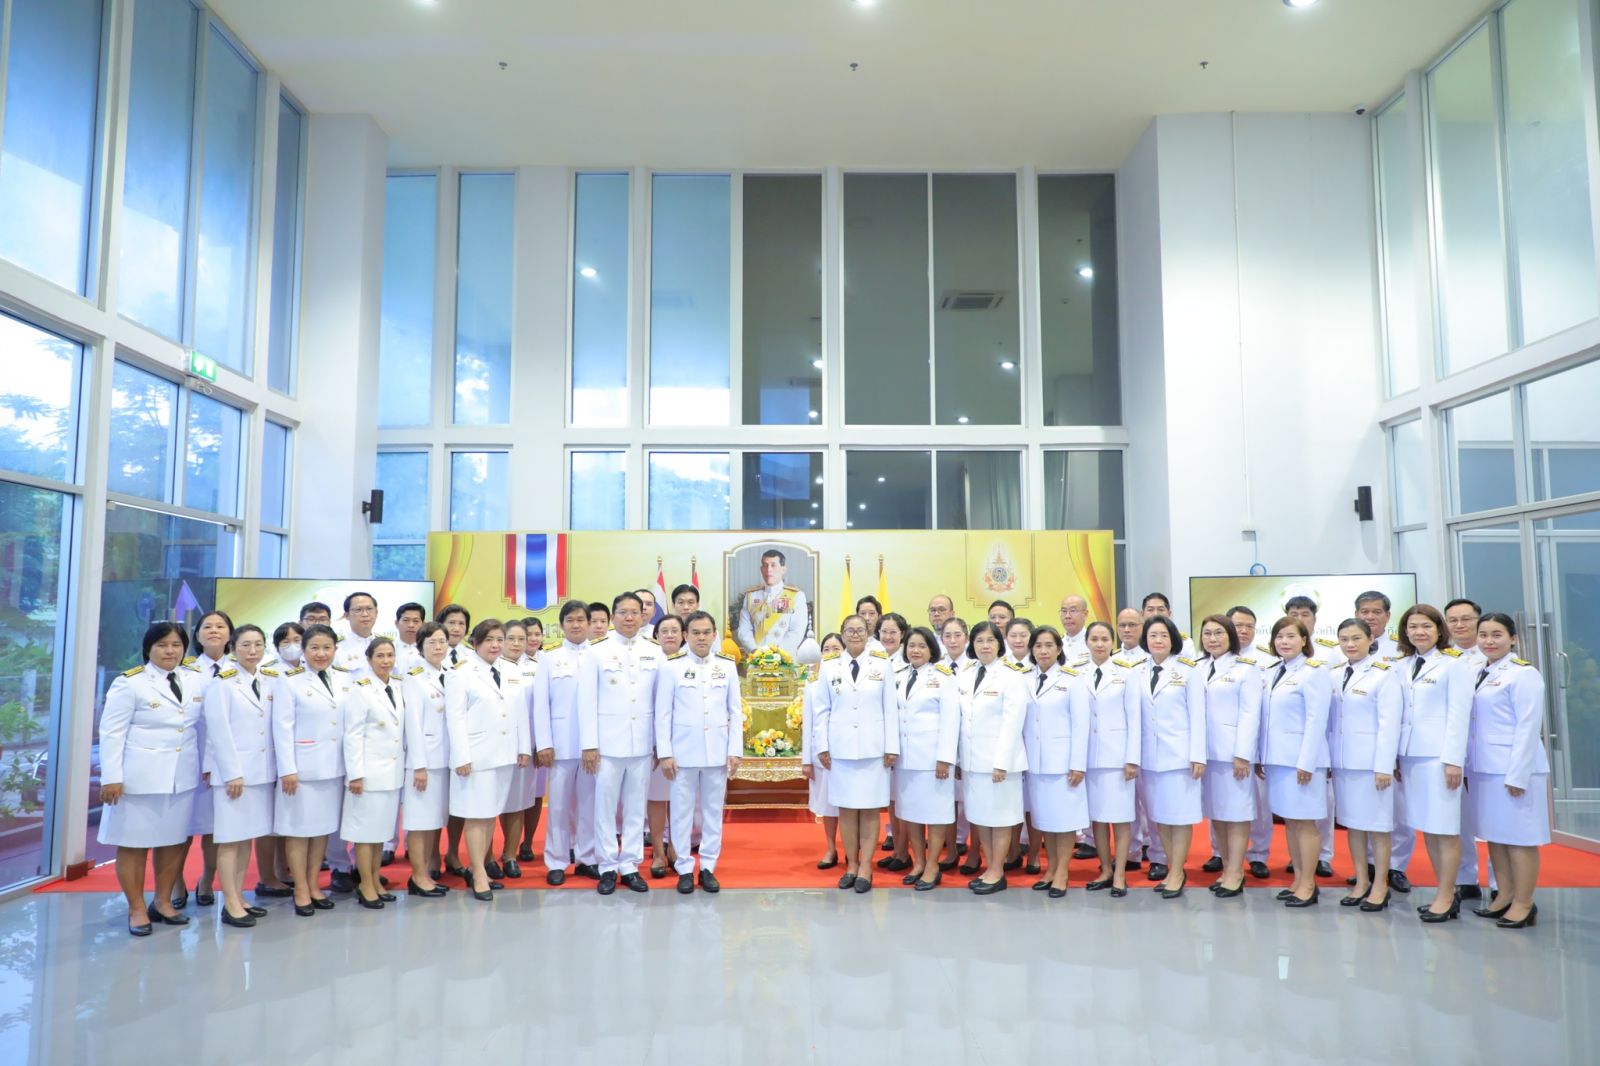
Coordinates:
272 863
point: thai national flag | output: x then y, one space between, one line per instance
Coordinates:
536 569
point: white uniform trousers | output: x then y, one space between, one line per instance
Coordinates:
699 790
963 827
569 827
1467 873
338 852
1260 827
1144 834
626 781
1325 825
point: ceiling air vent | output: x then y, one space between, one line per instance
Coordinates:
962 300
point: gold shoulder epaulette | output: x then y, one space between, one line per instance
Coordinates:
459 664
191 669
943 669
790 588
1018 667
654 641
188 660
338 637
597 640
1454 653
135 672
1265 649
878 654
1315 662
1069 671
830 655
269 672
414 671
364 681
341 669
296 670
1247 662
1187 662
730 658
1326 643
1182 634
228 673
1123 663
1521 662
675 655
1381 665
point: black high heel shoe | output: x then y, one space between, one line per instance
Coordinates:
1118 893
968 870
246 922
1485 912
1176 892
323 904
167 919
308 911
1532 919
927 886
484 896
1433 917
1354 900
1370 907
1228 893
370 904
1096 886
204 899
1310 901
414 889
256 912
1040 885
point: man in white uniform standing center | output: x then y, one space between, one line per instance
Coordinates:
772 612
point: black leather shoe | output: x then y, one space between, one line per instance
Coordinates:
1057 893
1469 892
1433 917
457 871
512 869
686 884
1372 875
181 900
1399 881
864 884
1309 901
1523 923
485 897
989 888
1133 864
709 882
961 849
827 864
1040 885
1175 893
657 872
1096 886
968 870
256 912
525 854
555 877
493 869
140 930
847 881
910 879
1157 872
1014 864
949 864
341 881
247 922
386 897
1032 868
1212 865
263 892
323 904
495 886
204 899
1229 893
584 869
1259 871
1283 894
1085 851
414 889
386 859
308 911
1481 912
928 886
1371 907
608 883
635 883
1118 893
168 919
888 842
1289 869
370 904
1323 869
1353 901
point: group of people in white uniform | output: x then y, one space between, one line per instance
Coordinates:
1088 739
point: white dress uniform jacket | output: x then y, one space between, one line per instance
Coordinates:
427 735
1115 734
1507 712
617 695
148 738
1233 708
351 656
1295 730
239 742
992 717
483 719
930 718
307 726
1173 716
772 614
699 718
374 734
1366 715
1438 706
1055 733
858 717
555 701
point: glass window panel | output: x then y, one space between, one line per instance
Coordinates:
484 270
1491 567
399 562
224 294
1563 433
479 490
155 189
690 323
1399 178
1485 466
211 478
51 121
600 300
1409 456
1415 553
35 531
1078 300
979 490
886 300
1548 166
39 408
405 340
142 439
403 477
274 475
150 559
283 329
689 490
889 490
273 550
782 300
1083 490
599 496
976 325
1471 247
782 490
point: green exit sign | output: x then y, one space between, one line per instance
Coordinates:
202 366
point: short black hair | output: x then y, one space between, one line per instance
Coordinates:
248 627
774 553
226 648
599 608
1501 619
404 607
1241 609
1227 626
428 629
899 620
679 590
978 630
872 600
1002 603
455 608
159 631
481 631
350 598
1300 603
1162 596
675 620
314 606
1061 651
1366 630
572 607
1373 594
1462 601
280 634
695 616
375 643
320 630
1175 634
935 650
619 597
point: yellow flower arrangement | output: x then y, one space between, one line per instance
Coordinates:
769 657
796 715
770 743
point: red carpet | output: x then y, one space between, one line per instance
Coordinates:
780 849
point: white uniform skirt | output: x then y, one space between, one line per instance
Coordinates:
1430 806
1111 796
660 787
313 810
819 799
990 804
1227 800
425 811
245 818
202 819
148 820
1357 803
370 817
524 789
481 794
1523 821
920 797
1288 798
859 784
1056 806
1173 796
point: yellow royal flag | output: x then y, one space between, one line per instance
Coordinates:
847 605
883 588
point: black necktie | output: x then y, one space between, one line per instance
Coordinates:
1155 677
1349 670
255 686
453 659
216 669
1097 677
494 672
1212 675
323 675
976 685
172 680
1481 675
1416 668
1042 679
912 680
387 691
441 679
855 669
1279 675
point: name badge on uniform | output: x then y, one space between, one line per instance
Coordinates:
155 704
688 675
1178 681
1426 680
716 673
611 681
930 683
1227 679
874 675
1358 692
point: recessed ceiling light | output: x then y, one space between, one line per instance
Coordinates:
817 363
881 480
865 3
962 419
813 414
1006 364
819 479
1086 272
861 507
1298 3
588 272
813 521
849 525
815 505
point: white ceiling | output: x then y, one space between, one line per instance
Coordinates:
767 83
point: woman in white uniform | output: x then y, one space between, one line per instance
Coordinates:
1056 738
1233 736
1172 747
150 771
427 798
1365 738
892 632
524 779
1114 736
214 637
668 634
1294 752
930 733
994 706
541 776
375 767
243 768
483 709
953 635
1437 691
272 863
1508 770
308 739
1029 842
817 798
